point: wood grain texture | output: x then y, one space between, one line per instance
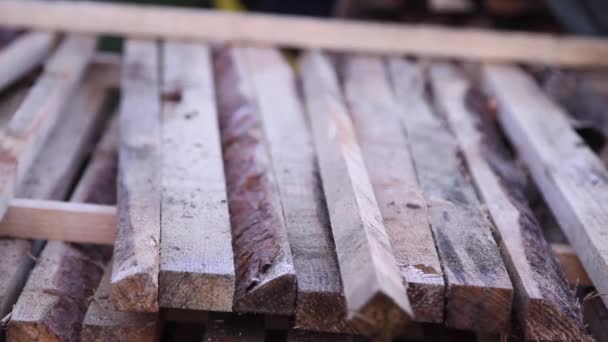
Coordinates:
196 265
24 54
479 292
54 301
22 138
545 305
136 251
320 300
372 281
299 32
377 121
263 260
572 179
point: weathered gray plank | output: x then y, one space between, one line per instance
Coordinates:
376 117
136 251
320 301
545 305
372 282
196 266
263 260
479 292
572 179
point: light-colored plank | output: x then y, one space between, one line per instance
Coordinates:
196 266
320 300
22 139
571 178
479 291
136 250
544 303
24 54
372 281
299 32
377 120
265 275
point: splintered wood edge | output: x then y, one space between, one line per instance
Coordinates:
298 32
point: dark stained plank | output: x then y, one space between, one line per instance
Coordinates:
479 292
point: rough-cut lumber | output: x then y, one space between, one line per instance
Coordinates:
23 55
235 329
373 285
571 265
596 316
54 301
263 260
102 322
544 303
572 179
22 139
299 32
196 265
136 251
479 291
55 220
320 301
376 117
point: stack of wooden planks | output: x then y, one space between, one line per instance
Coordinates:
354 196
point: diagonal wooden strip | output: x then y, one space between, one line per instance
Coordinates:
299 32
101 322
545 305
23 55
372 282
376 117
263 260
320 300
479 292
21 140
196 265
572 179
136 251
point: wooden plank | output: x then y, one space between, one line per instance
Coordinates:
544 303
572 179
54 301
22 139
376 117
320 300
571 265
479 291
265 275
136 251
373 285
301 32
196 265
24 54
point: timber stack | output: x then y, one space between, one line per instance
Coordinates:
206 185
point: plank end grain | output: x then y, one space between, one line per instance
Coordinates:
265 273
136 250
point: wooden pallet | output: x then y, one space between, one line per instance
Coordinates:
356 195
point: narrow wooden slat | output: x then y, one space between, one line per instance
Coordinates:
372 282
196 266
376 117
320 301
22 139
23 55
263 260
572 179
298 32
136 251
544 304
479 291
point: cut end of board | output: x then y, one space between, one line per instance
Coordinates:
381 317
277 297
196 291
479 309
427 300
318 311
135 293
30 331
546 322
